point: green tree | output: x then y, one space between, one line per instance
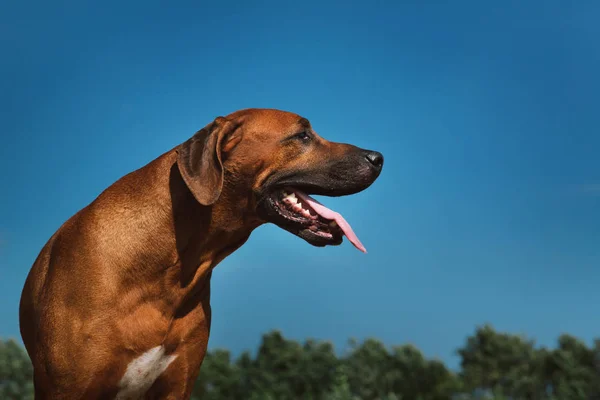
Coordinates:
494 366
572 369
219 378
595 387
16 372
282 369
503 364
278 367
367 366
411 376
320 365
375 373
340 389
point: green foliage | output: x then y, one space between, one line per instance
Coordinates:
502 363
16 373
494 366
340 389
572 369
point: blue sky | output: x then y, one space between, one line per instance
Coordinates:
488 207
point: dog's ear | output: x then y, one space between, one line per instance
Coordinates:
200 160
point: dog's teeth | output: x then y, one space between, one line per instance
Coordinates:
291 197
333 224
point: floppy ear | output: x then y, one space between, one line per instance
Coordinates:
200 161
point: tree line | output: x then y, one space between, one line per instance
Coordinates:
493 365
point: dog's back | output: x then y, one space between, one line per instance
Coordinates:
73 269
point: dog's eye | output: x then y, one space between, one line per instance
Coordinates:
304 136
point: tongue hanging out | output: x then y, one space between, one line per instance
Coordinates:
333 216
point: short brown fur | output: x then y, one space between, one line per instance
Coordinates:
132 269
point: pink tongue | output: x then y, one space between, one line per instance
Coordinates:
332 215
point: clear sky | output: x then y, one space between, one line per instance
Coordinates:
488 207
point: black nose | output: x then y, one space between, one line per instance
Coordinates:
375 158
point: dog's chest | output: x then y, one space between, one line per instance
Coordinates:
142 372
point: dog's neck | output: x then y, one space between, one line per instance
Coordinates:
184 240
204 235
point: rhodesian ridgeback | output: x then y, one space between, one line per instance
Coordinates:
117 303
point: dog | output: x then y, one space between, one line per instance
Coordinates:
117 303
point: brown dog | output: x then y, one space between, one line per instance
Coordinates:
117 304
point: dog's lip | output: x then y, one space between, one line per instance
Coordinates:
332 221
297 223
306 187
334 216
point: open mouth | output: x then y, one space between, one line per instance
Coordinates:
300 214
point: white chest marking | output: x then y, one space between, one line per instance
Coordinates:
142 372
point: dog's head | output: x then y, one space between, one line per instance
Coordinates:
273 161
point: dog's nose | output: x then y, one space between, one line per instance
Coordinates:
375 158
